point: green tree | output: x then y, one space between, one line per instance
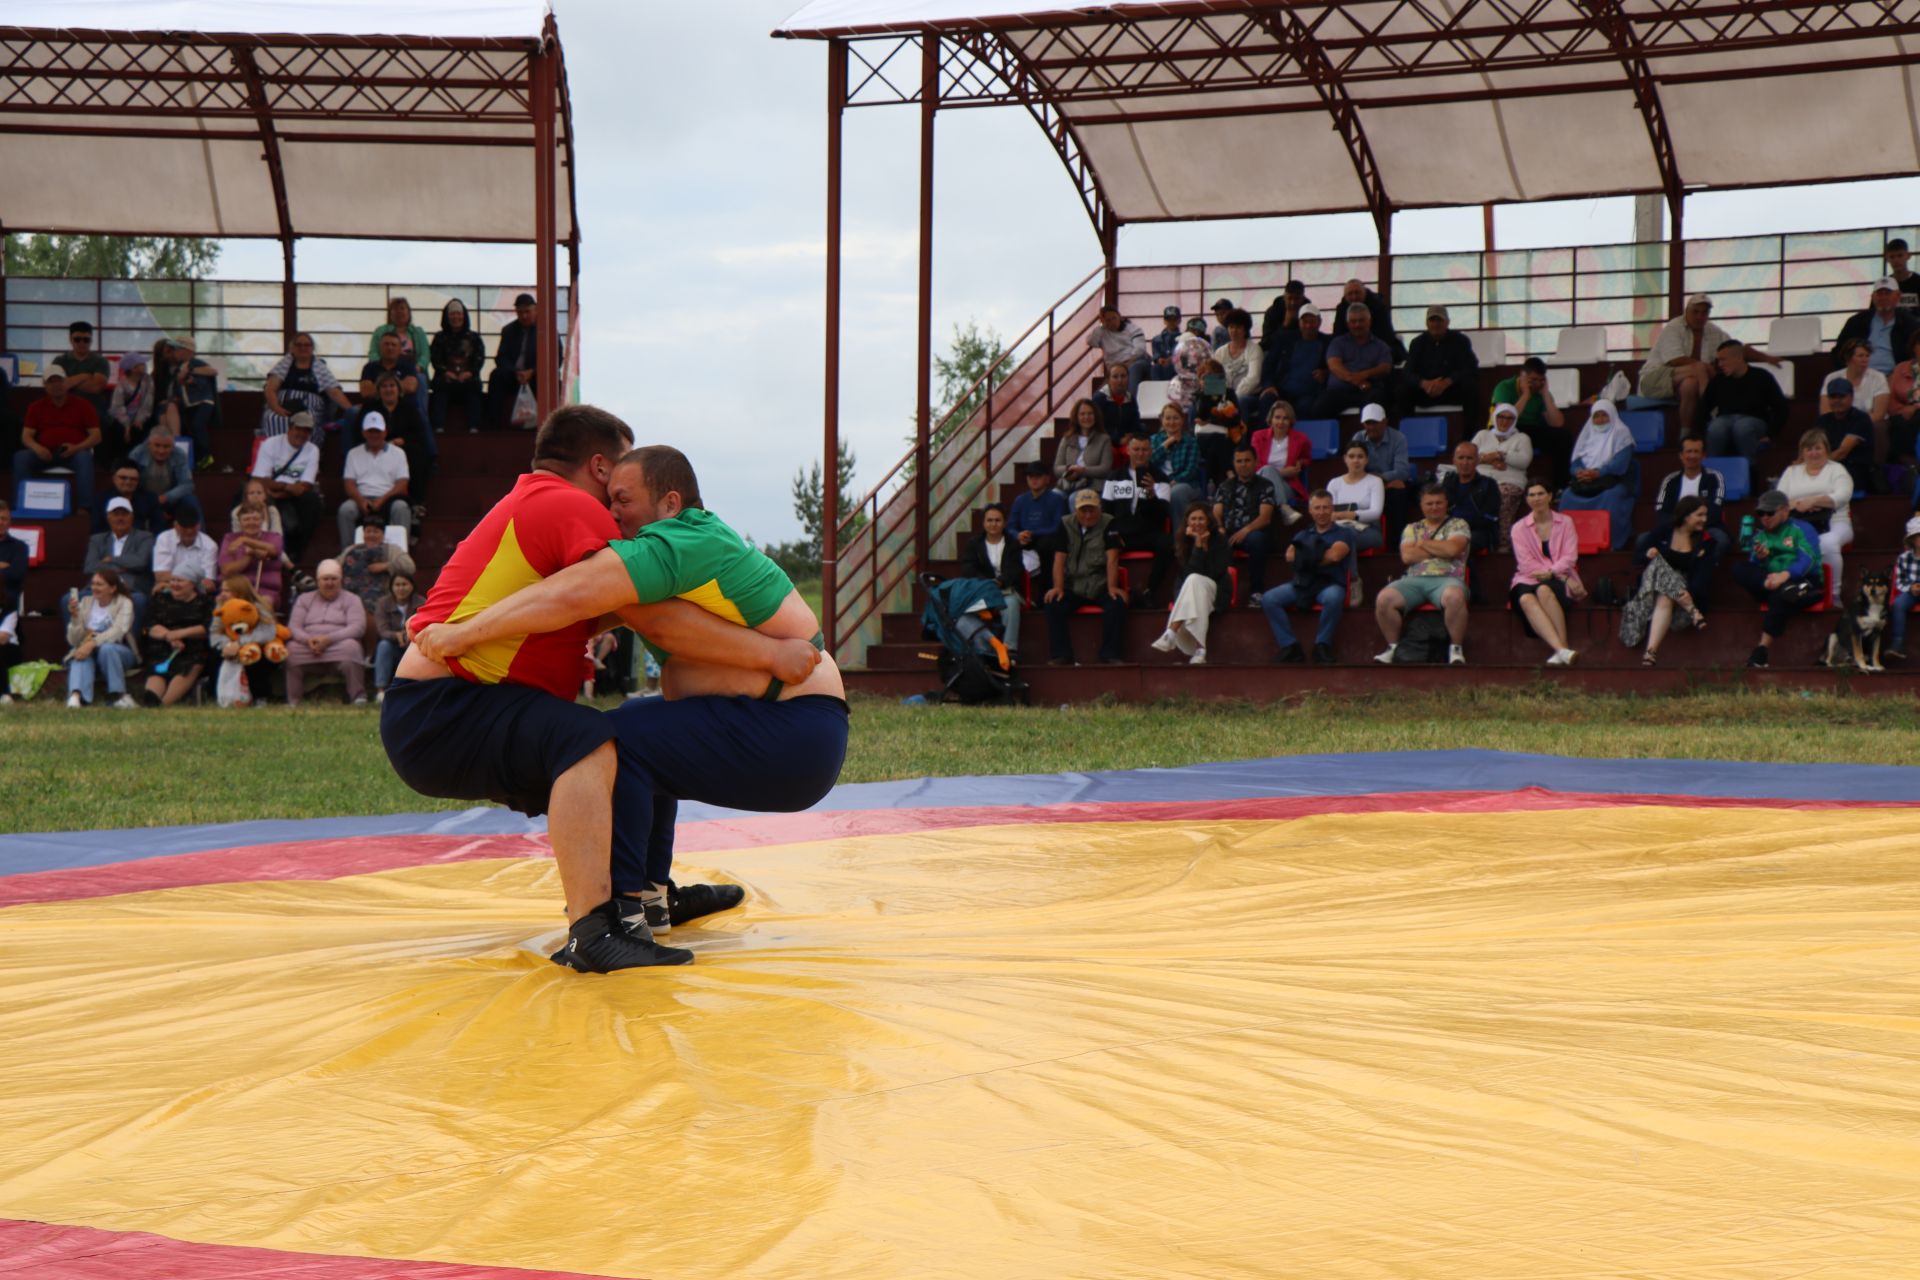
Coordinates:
966 362
809 503
111 257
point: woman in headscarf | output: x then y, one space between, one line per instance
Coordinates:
457 355
1192 351
1603 471
1505 455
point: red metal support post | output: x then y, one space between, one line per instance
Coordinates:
830 469
1110 254
923 443
1384 221
1677 256
546 339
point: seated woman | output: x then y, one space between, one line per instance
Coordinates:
1602 465
368 566
390 624
175 643
1176 455
254 493
131 411
1282 455
1205 585
327 625
1359 498
1820 492
301 382
238 684
1903 406
99 627
1505 455
1240 362
1665 600
1084 456
457 356
992 555
249 551
1546 554
188 391
406 431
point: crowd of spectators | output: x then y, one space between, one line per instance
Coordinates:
136 445
1187 511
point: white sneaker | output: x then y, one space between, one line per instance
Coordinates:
124 703
1561 658
73 702
1165 643
1291 517
6 699
1456 656
360 701
380 699
1354 591
1199 658
1384 657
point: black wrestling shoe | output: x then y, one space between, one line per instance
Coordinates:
644 914
687 902
600 942
1758 658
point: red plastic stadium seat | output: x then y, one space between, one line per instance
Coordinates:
1595 529
1125 586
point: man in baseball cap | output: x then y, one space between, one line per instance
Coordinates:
60 430
1782 569
515 361
1906 589
1164 344
1884 326
1086 572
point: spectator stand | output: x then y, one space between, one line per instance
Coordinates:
1595 130
240 125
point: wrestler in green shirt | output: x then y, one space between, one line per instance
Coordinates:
695 556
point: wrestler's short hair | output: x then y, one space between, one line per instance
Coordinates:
665 470
574 433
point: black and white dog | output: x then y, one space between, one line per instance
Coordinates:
1862 626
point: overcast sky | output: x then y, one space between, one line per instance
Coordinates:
702 211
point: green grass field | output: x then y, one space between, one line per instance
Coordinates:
66 770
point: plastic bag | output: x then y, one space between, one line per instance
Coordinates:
24 679
526 410
1617 388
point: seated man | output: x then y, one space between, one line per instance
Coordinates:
13 570
1694 479
779 753
1359 368
1442 368
1743 405
1243 509
1120 341
1164 344
1541 420
126 549
89 375
1323 559
60 431
290 464
1295 369
498 721
1086 571
125 483
1434 548
1137 499
1887 330
1035 519
328 625
1849 432
1683 358
184 549
164 470
1387 458
1379 316
1118 408
402 369
376 481
369 568
1781 570
1473 497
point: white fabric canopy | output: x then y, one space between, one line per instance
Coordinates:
390 120
1192 110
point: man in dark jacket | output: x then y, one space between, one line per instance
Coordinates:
1086 571
1356 294
1137 499
516 361
1441 368
1473 497
1295 367
1849 435
1282 321
1883 326
1742 405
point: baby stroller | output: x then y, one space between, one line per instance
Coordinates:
964 615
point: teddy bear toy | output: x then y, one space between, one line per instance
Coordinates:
254 636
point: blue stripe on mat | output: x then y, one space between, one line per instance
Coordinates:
1321 775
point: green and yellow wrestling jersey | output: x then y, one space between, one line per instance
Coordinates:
698 558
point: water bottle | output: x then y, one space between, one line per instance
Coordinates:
1746 533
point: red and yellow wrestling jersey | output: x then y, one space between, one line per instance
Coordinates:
540 528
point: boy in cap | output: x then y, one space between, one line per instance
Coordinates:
1782 569
1906 589
1164 343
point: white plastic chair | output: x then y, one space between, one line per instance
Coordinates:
1565 385
1794 336
1153 398
1580 344
1490 345
1782 374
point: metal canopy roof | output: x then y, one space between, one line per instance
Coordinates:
346 118
1206 109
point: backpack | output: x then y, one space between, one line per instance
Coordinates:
1424 640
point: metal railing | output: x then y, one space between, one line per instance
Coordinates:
1051 366
236 324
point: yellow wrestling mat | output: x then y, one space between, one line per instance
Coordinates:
1611 1042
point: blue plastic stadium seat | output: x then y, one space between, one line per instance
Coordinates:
1426 437
1323 434
1735 474
1649 429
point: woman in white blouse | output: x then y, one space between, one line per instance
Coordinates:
1358 499
1871 392
1819 491
1239 357
1505 455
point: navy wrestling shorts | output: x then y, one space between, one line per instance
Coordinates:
456 740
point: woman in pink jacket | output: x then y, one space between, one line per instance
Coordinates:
1282 455
1546 552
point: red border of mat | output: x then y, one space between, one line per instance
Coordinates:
359 855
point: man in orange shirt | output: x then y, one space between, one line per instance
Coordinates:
499 722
